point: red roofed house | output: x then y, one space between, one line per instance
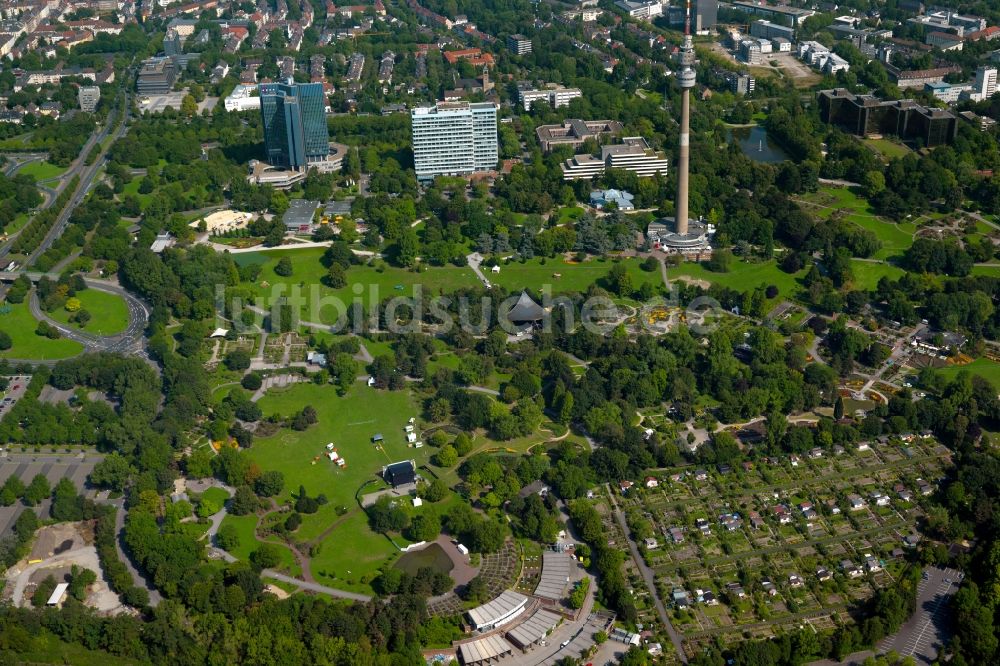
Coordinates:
475 57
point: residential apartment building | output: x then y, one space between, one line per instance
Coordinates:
454 138
88 97
295 130
519 44
556 96
985 84
750 52
822 58
740 83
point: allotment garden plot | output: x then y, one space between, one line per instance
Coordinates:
785 540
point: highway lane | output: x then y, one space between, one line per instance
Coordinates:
86 179
86 182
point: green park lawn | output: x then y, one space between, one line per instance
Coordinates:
349 422
535 274
352 555
984 367
868 273
245 527
42 170
47 648
375 285
569 214
991 270
743 276
109 313
20 326
889 149
895 238
215 495
132 187
17 223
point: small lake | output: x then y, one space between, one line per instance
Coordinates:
432 556
755 144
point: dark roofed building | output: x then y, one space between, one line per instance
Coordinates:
525 311
865 114
400 473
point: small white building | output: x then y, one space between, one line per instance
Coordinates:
57 594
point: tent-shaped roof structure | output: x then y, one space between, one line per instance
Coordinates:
525 310
399 473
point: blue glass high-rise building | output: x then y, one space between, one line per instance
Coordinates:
295 131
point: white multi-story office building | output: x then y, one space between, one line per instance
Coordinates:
985 84
646 9
243 98
633 154
454 138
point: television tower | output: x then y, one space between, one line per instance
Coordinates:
685 59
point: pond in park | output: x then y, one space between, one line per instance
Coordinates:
432 556
756 145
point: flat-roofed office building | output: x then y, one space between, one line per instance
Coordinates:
454 139
295 130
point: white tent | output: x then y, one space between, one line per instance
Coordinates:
411 437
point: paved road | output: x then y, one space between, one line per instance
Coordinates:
86 174
137 578
129 340
87 556
314 587
650 578
475 260
18 160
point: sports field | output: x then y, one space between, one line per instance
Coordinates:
20 326
109 313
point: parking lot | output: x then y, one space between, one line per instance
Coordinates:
16 388
53 466
159 103
928 629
